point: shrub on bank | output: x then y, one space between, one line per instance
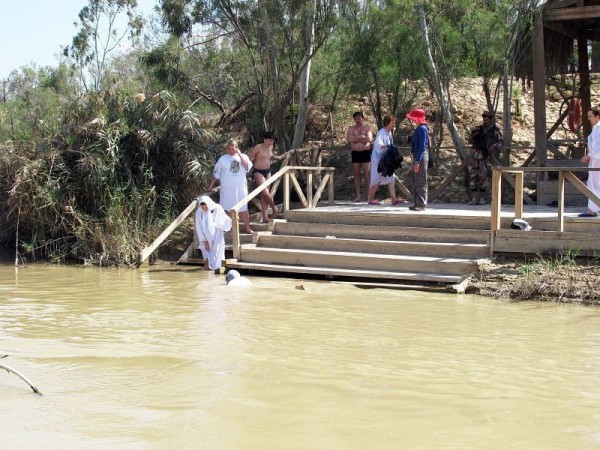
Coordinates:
122 169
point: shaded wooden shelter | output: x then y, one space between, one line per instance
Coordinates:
561 28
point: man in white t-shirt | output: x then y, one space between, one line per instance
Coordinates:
231 171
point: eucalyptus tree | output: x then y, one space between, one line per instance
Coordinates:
470 38
382 54
268 42
99 37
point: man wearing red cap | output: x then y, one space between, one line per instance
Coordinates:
420 157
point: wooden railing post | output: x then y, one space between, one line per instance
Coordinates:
519 195
561 201
331 188
309 189
496 205
286 191
235 230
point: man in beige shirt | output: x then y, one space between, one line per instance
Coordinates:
360 137
261 156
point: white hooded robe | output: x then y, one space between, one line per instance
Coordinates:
211 227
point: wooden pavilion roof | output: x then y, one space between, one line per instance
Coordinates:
564 21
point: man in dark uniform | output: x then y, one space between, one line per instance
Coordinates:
485 139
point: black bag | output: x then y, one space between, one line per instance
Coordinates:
390 161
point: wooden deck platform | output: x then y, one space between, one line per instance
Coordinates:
441 246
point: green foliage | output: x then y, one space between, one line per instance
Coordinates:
34 99
126 166
98 38
381 52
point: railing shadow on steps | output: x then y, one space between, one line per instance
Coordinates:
286 173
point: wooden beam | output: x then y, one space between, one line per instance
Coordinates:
496 206
331 188
298 189
519 195
554 127
554 4
584 82
145 253
574 13
582 187
286 192
235 233
562 28
561 202
449 179
321 187
539 90
403 188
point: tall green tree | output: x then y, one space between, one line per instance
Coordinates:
99 37
273 57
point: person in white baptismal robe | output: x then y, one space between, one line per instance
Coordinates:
211 225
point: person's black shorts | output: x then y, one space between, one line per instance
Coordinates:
363 156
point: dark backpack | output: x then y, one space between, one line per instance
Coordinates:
390 161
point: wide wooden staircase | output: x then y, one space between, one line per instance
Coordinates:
386 245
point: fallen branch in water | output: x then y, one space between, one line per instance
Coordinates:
21 376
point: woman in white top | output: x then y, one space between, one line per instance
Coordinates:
211 225
592 159
382 140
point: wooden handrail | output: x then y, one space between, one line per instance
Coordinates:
564 173
286 172
144 254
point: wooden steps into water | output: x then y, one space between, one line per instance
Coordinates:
376 246
358 274
384 246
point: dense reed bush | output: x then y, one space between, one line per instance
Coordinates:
122 169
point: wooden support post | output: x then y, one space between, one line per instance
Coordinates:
331 188
539 90
309 189
285 163
286 192
235 230
496 205
584 80
561 201
518 195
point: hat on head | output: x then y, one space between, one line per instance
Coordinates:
232 275
417 115
489 114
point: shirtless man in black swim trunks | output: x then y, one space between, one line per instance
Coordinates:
261 155
360 137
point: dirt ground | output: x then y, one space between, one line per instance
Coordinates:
544 279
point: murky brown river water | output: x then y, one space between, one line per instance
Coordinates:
173 359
